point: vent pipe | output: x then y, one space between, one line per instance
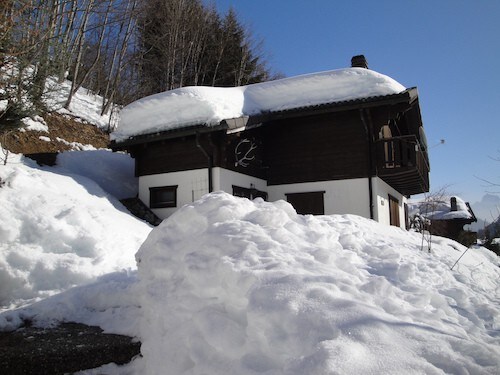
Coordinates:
359 61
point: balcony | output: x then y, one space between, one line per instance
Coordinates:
403 164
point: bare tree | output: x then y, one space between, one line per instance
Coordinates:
79 52
118 61
489 183
184 42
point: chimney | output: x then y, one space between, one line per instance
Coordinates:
359 61
453 203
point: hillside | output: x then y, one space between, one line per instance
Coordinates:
64 226
54 132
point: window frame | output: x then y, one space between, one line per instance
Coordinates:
155 202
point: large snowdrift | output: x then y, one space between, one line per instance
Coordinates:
61 229
210 105
229 286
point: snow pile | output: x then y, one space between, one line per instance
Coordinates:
109 302
61 229
440 209
230 286
210 105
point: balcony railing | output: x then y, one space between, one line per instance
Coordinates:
403 164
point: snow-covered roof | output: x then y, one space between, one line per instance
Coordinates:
208 106
440 209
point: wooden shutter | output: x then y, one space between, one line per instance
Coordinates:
394 211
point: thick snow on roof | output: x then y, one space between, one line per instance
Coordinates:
209 105
441 209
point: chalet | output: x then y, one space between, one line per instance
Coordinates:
446 217
336 142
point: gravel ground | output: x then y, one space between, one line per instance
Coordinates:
67 348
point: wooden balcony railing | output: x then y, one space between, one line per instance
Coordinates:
403 164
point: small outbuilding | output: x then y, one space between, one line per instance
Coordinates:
447 217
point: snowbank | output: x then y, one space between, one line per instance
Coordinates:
210 105
61 229
229 286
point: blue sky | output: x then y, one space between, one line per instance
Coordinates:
449 49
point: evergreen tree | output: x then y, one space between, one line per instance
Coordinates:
183 42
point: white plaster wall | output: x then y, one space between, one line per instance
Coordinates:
224 179
381 191
192 185
341 197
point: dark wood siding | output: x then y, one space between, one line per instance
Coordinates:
316 148
233 150
169 156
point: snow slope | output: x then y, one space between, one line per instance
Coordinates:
60 228
210 105
230 286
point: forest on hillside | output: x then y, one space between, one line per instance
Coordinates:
120 49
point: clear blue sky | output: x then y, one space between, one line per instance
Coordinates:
449 49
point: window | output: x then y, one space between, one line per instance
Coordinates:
163 196
307 203
251 193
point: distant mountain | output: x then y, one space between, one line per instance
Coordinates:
486 211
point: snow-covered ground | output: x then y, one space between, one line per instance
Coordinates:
64 226
84 104
230 286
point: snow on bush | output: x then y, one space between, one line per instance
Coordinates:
59 229
230 286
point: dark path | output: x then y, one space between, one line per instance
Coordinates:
67 348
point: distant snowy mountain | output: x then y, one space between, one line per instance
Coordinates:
486 210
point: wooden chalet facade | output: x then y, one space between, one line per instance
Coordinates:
362 156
